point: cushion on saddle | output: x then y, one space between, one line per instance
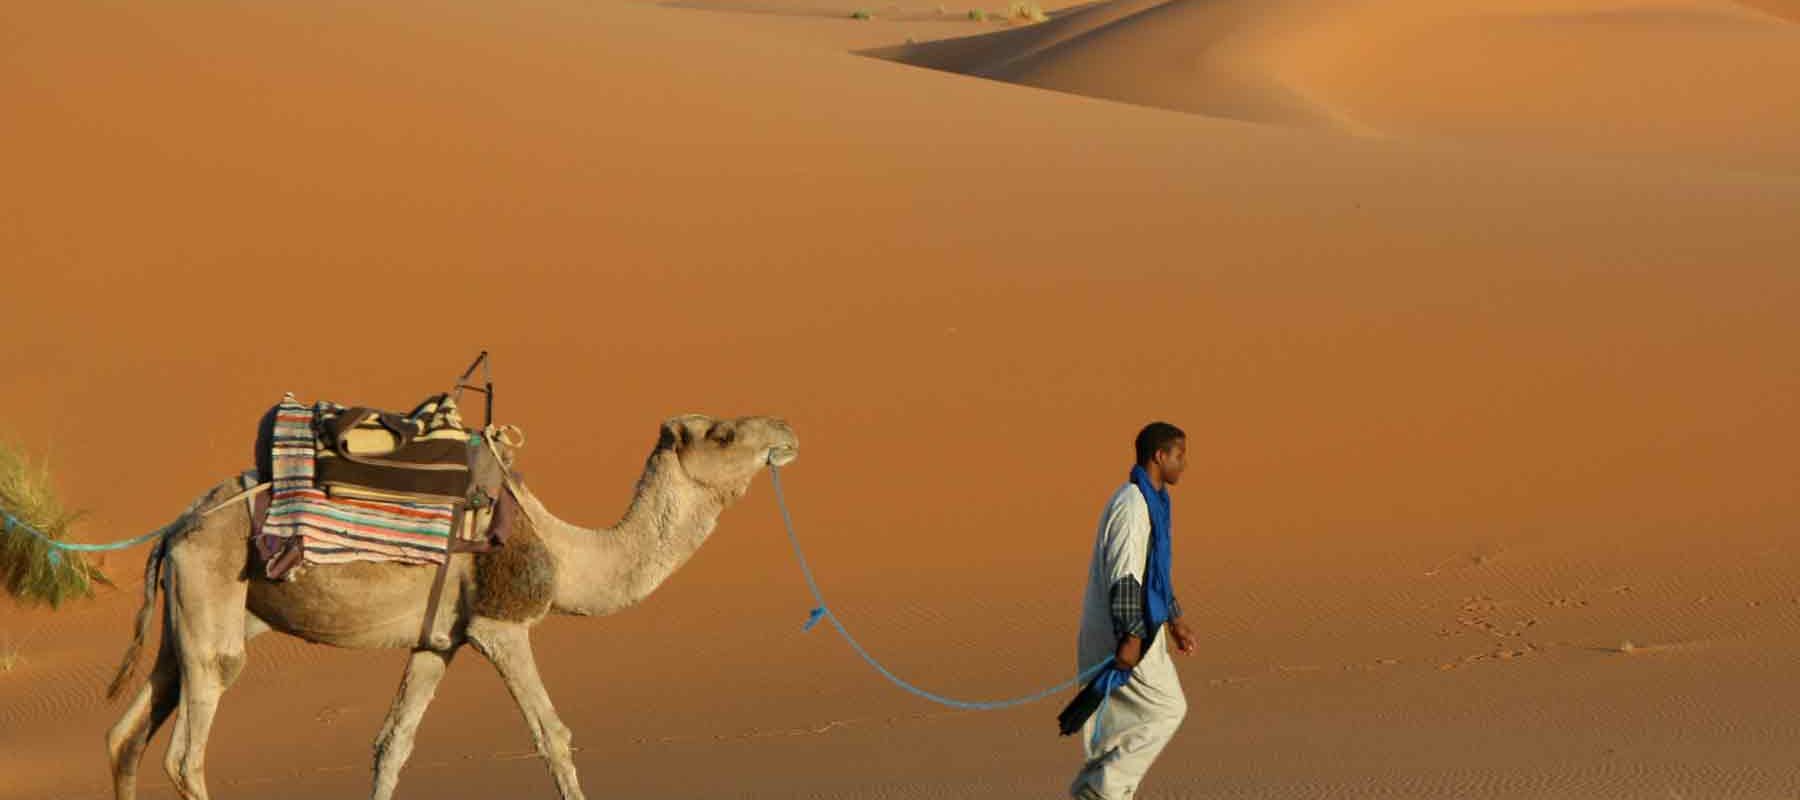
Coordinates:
372 454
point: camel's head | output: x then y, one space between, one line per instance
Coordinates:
725 454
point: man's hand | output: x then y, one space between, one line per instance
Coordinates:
1183 636
1131 650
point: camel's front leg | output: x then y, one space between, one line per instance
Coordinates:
395 743
508 645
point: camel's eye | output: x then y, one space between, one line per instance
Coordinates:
722 434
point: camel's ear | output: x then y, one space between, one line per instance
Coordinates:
723 432
674 435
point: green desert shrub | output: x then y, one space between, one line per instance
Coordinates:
861 13
27 570
977 15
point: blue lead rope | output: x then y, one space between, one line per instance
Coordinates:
10 523
823 611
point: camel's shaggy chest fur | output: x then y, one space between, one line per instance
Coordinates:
515 582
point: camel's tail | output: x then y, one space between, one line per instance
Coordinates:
152 582
159 552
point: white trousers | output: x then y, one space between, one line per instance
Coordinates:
1135 724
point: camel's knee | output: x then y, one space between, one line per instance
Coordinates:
130 728
124 748
558 741
205 664
228 665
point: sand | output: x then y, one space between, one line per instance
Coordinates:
1479 390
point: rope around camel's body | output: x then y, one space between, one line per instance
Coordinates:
823 611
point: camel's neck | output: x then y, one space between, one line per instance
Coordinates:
599 571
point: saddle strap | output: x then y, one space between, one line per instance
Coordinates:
426 640
510 497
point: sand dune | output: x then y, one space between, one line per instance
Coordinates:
1784 9
1187 55
1706 82
1468 415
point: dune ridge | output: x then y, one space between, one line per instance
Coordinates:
1611 77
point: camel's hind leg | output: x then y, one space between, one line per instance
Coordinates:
206 592
172 758
395 743
130 736
508 645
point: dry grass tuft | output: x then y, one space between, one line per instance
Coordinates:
10 657
27 572
1026 10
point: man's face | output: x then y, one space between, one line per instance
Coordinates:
1173 461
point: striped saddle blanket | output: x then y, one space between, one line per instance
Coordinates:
322 508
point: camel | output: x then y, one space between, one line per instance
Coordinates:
699 467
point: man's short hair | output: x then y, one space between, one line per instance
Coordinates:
1155 438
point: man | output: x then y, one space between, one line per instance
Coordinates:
1130 613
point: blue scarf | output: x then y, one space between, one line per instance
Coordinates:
1159 593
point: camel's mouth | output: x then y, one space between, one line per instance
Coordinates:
783 455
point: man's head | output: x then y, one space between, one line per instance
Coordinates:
1162 451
